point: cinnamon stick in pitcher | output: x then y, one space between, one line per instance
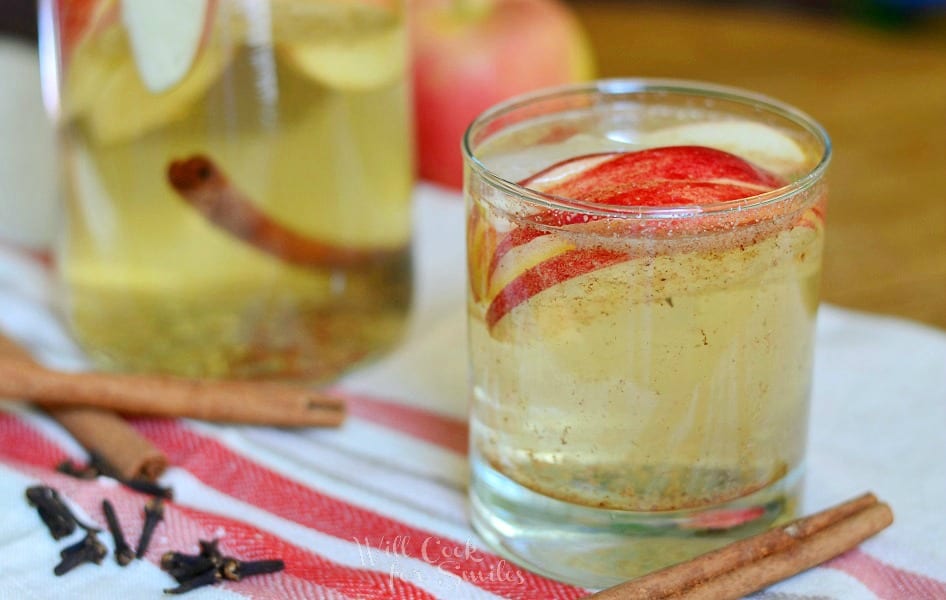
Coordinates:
201 183
101 431
759 561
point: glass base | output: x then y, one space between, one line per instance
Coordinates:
598 548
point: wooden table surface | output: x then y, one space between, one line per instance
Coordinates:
882 98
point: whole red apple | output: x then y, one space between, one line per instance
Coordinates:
471 54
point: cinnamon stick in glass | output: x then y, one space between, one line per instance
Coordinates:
101 431
751 564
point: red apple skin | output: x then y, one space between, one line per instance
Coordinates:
668 176
77 19
547 274
467 58
74 17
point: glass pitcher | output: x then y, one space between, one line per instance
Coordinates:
236 181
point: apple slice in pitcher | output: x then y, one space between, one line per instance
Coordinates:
347 45
77 20
155 85
91 42
658 177
352 63
165 37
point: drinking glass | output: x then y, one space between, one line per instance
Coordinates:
641 364
236 181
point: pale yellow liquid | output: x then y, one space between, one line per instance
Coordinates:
151 285
659 384
676 380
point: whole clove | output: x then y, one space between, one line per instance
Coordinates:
210 567
53 511
101 466
235 570
67 467
123 552
211 548
154 513
210 577
89 549
183 567
146 486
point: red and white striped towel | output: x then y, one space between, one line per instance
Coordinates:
377 508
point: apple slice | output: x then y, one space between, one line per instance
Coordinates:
352 63
670 176
119 94
564 170
680 175
667 176
93 43
77 20
165 36
763 145
525 257
541 181
88 196
547 274
609 281
125 109
481 244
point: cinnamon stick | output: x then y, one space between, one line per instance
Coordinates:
203 185
751 564
228 401
106 433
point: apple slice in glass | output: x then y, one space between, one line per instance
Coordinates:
765 146
676 176
655 177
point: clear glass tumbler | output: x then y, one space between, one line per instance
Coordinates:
236 179
644 262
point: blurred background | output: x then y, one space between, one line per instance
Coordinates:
19 16
873 72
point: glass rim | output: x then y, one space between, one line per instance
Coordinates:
645 85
